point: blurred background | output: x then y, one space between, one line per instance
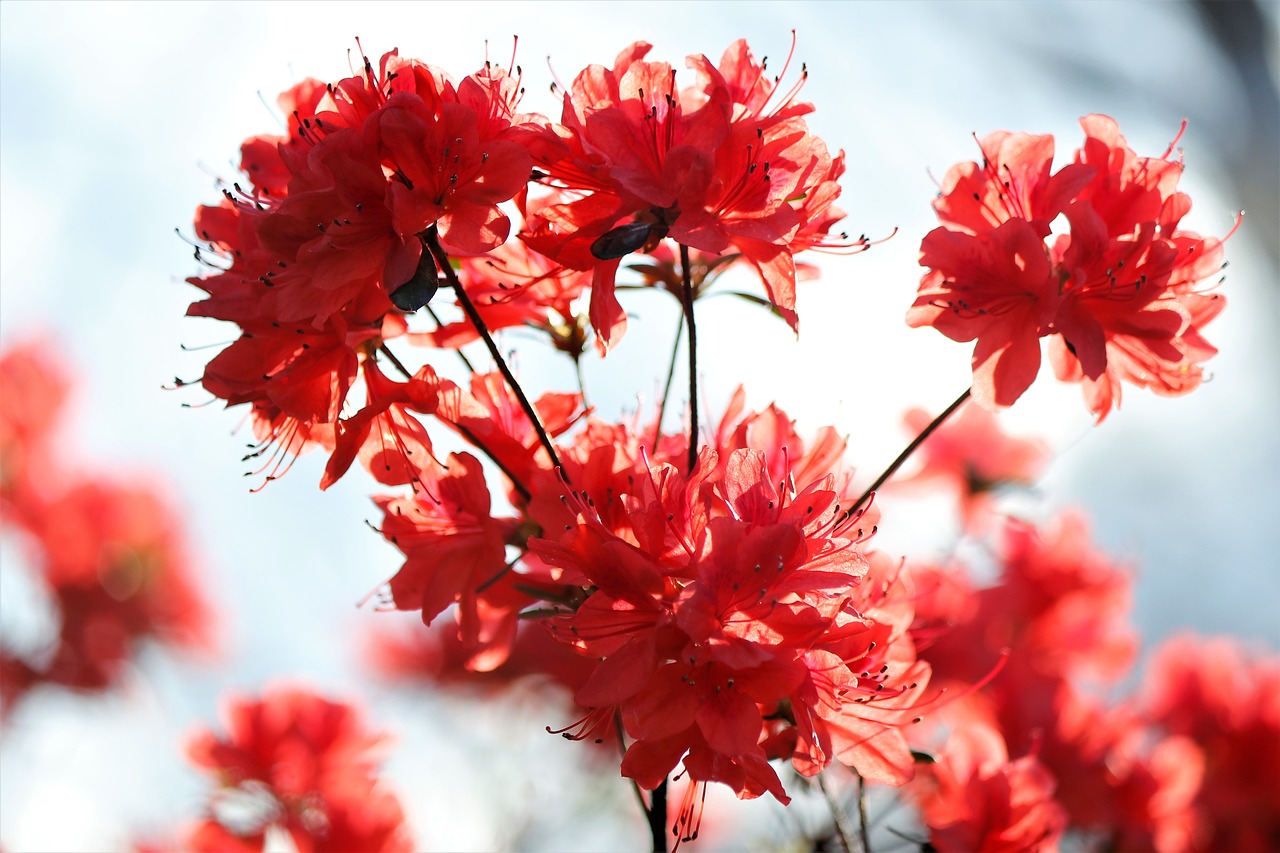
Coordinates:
116 119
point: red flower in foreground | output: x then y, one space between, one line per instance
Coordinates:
732 611
727 164
296 762
321 251
1118 294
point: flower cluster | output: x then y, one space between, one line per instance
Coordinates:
1226 699
1118 295
727 164
299 764
733 613
324 249
1163 770
108 552
710 597
342 229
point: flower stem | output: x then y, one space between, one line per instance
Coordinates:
838 819
906 454
442 260
466 362
658 818
391 357
687 298
666 387
864 829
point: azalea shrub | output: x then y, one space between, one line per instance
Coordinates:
713 596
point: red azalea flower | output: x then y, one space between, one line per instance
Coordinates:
973 798
391 443
34 390
118 573
998 288
490 416
714 167
297 762
1057 613
864 683
1227 700
110 555
317 255
1060 606
1013 182
728 611
455 553
1117 294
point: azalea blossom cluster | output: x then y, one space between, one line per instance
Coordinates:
715 590
1119 296
106 552
344 226
1037 757
1033 758
293 764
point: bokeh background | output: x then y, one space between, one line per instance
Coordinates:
116 119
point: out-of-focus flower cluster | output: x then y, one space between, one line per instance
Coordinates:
294 765
105 550
1038 757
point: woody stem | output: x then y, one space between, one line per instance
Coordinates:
658 818
462 356
687 298
464 301
666 387
839 823
864 830
391 357
906 454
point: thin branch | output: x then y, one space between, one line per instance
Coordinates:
666 388
466 362
864 828
838 818
687 298
658 818
442 260
479 445
385 350
905 454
